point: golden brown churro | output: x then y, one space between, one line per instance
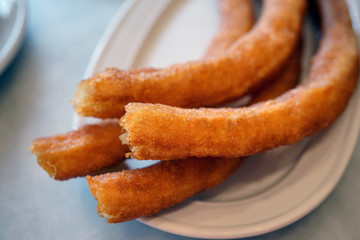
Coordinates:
130 194
157 131
126 195
248 63
70 154
81 152
285 80
236 19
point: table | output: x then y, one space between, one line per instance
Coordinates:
34 101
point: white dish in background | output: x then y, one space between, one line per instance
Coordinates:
12 27
269 191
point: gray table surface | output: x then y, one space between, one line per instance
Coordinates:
34 101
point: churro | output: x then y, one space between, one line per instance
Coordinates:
130 194
126 195
236 18
81 152
94 147
250 61
156 131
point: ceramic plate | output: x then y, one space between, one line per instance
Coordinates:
12 26
271 190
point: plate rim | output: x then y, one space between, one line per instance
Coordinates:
12 44
309 204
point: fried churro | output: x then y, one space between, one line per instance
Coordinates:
249 62
236 18
94 147
81 152
157 131
126 195
285 80
130 194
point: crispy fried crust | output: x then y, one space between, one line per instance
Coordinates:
247 64
75 158
73 154
236 19
157 131
80 152
130 194
285 80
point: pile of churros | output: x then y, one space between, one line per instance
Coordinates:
154 113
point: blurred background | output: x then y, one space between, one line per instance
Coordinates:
35 89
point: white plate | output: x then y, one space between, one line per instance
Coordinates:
270 190
12 26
